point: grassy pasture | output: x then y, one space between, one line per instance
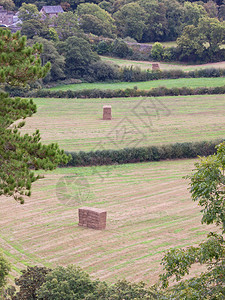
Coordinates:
163 65
146 85
76 124
149 211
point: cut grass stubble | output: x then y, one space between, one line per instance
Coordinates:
147 214
76 124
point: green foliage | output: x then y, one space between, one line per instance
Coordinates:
120 48
126 290
34 27
141 154
211 8
71 283
66 25
103 47
207 187
78 55
19 64
7 4
50 54
128 92
20 154
193 12
94 19
67 283
222 12
156 22
28 12
214 34
130 21
157 51
102 71
53 35
4 271
210 284
203 41
28 283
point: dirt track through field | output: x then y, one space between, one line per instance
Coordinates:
149 211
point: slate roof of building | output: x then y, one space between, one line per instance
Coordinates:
53 9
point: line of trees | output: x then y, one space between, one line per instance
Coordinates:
199 28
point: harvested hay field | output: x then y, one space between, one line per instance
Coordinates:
149 211
76 124
163 65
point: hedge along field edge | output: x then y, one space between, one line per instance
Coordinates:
142 154
133 92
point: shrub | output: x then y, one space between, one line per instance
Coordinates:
120 48
102 71
157 51
67 283
104 47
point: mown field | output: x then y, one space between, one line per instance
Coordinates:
76 124
164 66
146 85
149 211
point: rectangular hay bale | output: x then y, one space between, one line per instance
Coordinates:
92 217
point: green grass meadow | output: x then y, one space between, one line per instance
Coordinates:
146 85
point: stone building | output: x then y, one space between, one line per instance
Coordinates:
6 17
51 11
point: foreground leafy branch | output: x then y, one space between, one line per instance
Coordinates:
206 187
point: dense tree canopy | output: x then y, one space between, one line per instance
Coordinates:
78 54
28 12
94 19
130 21
66 25
50 54
202 41
7 4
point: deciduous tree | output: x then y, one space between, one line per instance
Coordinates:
28 12
66 25
99 17
7 4
130 21
207 187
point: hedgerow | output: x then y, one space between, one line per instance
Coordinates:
129 92
142 154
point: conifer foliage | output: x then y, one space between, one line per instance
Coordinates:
20 154
19 63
